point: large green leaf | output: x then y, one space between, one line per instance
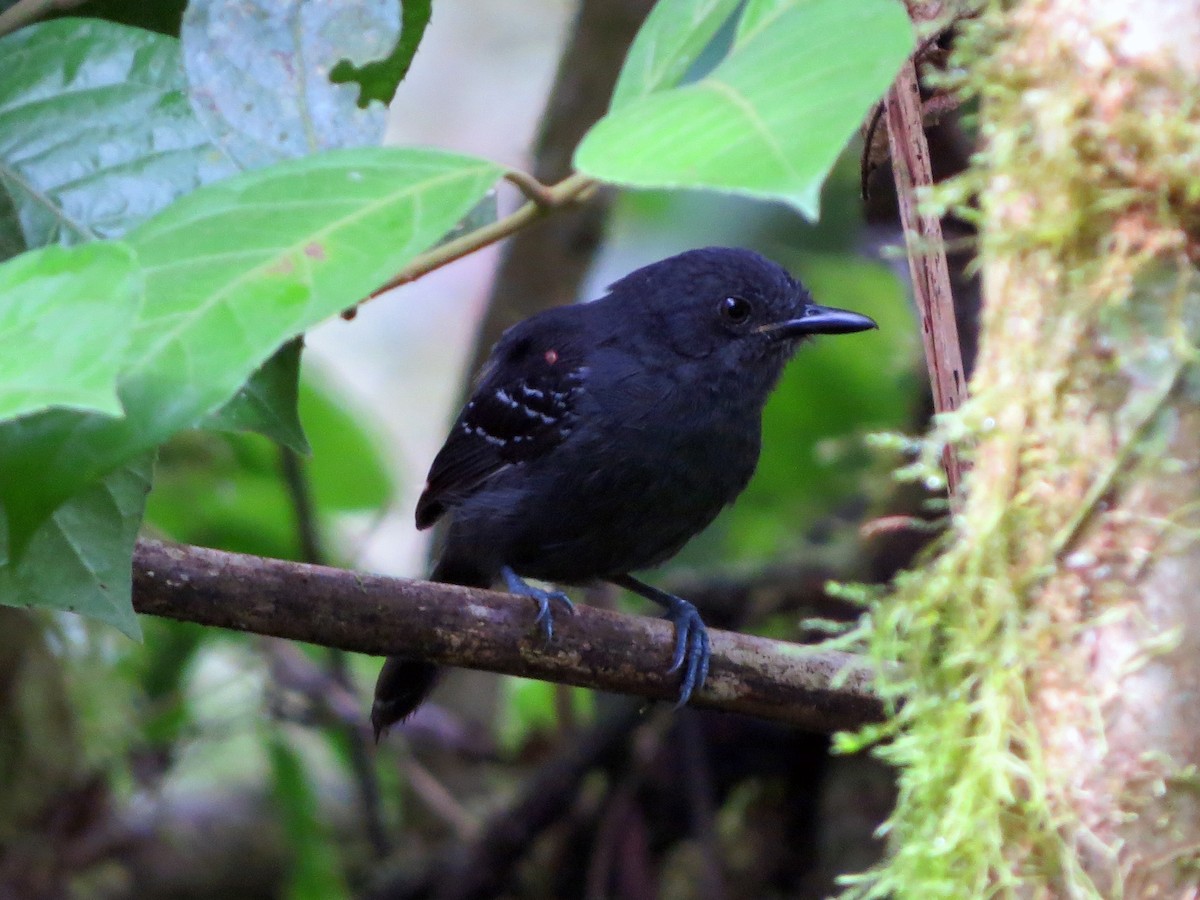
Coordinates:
96 133
258 73
380 78
668 45
226 492
223 491
65 316
231 271
348 470
78 559
266 404
770 120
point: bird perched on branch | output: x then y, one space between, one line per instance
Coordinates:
601 437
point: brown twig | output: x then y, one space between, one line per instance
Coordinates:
482 864
451 625
438 799
926 254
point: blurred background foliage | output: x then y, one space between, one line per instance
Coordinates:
265 743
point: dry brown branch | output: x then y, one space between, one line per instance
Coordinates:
451 625
926 253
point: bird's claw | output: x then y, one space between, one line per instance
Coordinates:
543 598
545 616
692 650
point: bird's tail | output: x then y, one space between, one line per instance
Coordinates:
403 682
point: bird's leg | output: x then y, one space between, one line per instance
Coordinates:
545 617
691 637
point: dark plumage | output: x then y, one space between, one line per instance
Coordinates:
601 437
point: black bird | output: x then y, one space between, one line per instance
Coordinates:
600 437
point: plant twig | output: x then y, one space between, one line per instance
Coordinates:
451 625
438 799
543 265
295 481
534 190
572 189
25 12
926 254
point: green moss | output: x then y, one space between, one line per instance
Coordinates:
1086 205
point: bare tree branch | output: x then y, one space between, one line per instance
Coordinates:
926 253
477 629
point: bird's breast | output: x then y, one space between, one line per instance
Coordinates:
627 492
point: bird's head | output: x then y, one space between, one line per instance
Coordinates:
731 307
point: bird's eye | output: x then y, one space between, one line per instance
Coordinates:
735 310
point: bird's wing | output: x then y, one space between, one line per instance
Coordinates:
523 405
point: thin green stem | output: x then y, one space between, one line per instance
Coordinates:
25 12
543 199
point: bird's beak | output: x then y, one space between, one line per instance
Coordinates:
819 320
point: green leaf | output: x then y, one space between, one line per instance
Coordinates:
231 271
65 316
483 213
314 871
380 78
267 402
258 72
770 120
227 491
760 14
96 133
347 469
78 559
668 45
223 491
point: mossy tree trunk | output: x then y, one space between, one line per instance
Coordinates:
1051 650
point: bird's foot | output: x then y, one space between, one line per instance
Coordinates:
545 617
692 651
